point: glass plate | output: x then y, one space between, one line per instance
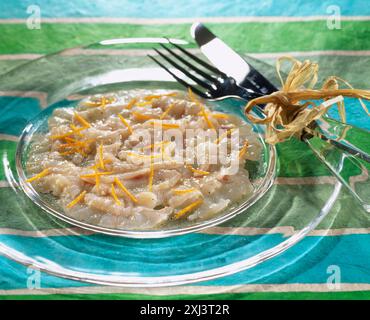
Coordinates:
261 173
255 232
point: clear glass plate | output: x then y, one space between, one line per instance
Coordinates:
254 231
262 173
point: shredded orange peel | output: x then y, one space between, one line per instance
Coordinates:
131 103
202 112
157 96
124 121
144 103
114 195
141 116
165 125
101 102
244 149
101 158
40 175
197 171
81 120
165 113
124 189
183 191
188 208
78 199
289 111
224 135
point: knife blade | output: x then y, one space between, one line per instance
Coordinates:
228 61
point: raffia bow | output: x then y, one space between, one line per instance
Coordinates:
290 111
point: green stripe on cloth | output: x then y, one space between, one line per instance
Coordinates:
356 295
247 37
7 148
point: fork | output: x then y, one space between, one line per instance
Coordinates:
338 154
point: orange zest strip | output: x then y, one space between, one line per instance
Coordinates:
151 176
143 104
101 159
183 191
140 116
203 112
205 116
124 189
124 121
165 125
197 171
43 173
164 114
79 198
131 103
92 175
102 102
244 149
156 96
94 167
220 116
170 126
190 207
114 195
82 121
222 136
97 178
68 139
62 136
76 130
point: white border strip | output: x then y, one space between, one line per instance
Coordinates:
144 52
159 21
194 290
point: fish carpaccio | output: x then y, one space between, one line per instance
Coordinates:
139 159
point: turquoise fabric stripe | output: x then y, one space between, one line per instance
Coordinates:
16 114
181 8
306 262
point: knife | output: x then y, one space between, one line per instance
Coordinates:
233 65
218 52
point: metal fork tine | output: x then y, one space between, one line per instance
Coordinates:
200 61
201 72
178 79
184 71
